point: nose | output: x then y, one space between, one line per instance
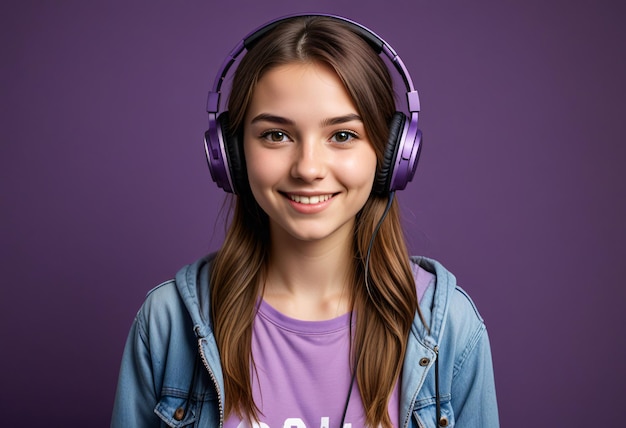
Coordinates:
309 162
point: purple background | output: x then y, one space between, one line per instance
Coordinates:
520 190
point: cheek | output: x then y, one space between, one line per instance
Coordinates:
256 175
259 180
261 168
359 171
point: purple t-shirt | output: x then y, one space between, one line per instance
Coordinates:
303 372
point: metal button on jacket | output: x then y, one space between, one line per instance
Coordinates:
179 414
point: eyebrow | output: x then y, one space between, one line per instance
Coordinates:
341 119
266 117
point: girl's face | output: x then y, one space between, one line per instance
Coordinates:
309 161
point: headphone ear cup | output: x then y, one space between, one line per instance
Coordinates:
383 177
233 148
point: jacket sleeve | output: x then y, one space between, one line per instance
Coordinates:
473 388
136 395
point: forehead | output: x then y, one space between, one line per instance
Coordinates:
296 86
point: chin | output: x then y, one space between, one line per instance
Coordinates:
313 234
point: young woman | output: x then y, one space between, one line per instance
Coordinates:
311 314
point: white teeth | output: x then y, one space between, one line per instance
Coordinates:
308 200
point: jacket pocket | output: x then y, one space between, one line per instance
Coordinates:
425 415
177 412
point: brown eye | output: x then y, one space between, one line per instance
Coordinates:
343 137
275 136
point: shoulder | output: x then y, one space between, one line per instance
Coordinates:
462 307
162 299
453 323
447 308
465 329
161 312
185 293
179 303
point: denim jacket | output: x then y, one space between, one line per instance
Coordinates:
171 373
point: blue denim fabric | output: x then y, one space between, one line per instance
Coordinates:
173 328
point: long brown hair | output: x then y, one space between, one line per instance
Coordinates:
384 316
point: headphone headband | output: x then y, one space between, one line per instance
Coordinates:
376 42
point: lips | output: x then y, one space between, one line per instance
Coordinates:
310 200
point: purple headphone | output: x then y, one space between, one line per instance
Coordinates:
403 147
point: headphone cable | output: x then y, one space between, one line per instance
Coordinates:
367 264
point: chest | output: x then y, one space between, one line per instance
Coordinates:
302 376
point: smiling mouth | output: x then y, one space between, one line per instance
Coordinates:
310 200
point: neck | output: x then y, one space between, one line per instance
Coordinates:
310 280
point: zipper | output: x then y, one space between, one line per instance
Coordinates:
437 396
217 387
408 416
